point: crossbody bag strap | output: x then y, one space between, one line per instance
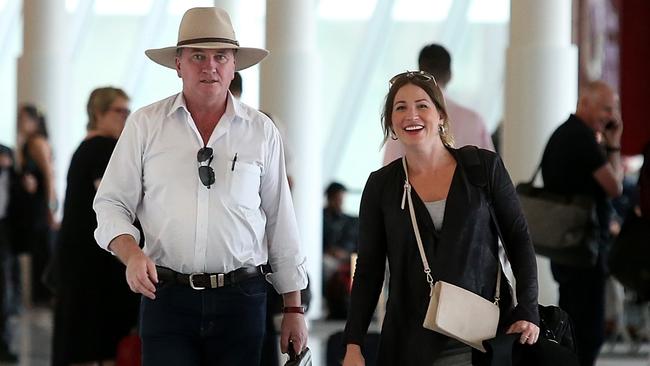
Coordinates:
418 239
416 230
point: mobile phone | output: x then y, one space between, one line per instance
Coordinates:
610 125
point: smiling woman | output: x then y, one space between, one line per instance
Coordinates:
456 228
429 98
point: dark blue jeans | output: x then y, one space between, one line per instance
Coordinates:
223 326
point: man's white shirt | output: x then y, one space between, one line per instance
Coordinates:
244 219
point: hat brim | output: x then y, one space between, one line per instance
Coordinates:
245 57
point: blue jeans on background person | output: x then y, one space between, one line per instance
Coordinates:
223 326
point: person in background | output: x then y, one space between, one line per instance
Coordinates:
6 255
467 126
457 230
38 202
644 183
236 86
205 175
340 235
339 229
89 279
583 157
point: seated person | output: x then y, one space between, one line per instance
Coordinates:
340 233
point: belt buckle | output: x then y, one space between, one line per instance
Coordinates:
192 281
216 280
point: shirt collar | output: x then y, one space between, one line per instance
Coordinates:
573 118
233 107
179 102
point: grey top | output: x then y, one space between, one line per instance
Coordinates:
437 212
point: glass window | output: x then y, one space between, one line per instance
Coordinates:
70 5
418 10
122 7
178 7
489 11
478 56
346 9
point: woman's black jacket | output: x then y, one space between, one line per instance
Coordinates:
464 253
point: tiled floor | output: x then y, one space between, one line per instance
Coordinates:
33 336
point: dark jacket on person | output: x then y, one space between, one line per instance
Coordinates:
464 253
12 203
644 183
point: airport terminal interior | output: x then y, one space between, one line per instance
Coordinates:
518 64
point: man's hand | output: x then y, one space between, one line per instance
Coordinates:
141 275
30 184
141 272
293 328
614 130
612 135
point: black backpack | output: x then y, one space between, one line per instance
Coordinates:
556 326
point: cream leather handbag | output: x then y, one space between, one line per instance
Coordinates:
455 311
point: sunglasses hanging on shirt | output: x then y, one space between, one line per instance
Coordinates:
206 173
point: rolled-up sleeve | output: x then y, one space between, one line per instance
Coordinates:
285 255
120 189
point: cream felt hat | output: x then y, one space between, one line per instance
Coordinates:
207 28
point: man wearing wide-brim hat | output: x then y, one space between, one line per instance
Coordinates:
205 175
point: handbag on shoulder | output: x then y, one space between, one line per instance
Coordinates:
563 228
461 314
455 311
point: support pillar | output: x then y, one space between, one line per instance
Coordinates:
289 90
541 92
42 80
43 70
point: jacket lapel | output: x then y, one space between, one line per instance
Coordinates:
455 218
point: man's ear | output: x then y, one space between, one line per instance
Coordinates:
178 67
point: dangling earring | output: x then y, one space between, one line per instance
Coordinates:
441 130
393 135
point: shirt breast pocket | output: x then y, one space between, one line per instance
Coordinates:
245 184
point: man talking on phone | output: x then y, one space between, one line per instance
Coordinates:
583 156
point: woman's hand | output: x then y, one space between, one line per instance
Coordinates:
30 184
52 223
529 331
353 356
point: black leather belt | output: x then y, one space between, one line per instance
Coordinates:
201 281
